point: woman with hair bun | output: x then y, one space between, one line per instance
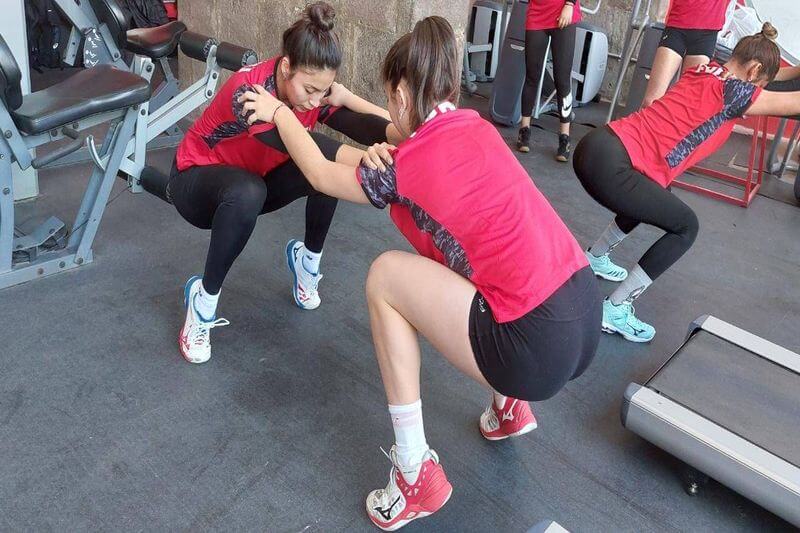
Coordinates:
628 165
228 172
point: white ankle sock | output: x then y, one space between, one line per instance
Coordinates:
609 239
499 400
409 435
311 260
206 304
633 286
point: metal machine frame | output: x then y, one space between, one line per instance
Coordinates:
751 470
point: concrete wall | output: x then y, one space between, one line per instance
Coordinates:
614 18
367 28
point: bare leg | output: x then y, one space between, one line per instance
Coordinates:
693 61
406 294
665 66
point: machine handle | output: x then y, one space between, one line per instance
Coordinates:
58 153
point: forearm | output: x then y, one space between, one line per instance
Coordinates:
360 105
364 128
349 155
301 146
788 73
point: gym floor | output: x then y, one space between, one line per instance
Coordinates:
103 426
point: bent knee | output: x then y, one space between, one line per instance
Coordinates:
381 270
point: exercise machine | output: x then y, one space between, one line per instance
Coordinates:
727 403
102 94
95 96
638 23
588 70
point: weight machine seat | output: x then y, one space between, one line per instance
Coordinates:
88 92
157 42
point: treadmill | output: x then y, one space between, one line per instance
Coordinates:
727 403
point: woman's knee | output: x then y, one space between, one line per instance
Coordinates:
382 270
246 197
690 226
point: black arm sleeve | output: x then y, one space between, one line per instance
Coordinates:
362 128
329 147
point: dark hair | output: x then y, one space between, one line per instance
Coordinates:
760 47
428 60
311 41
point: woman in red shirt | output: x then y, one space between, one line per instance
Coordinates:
227 172
689 39
555 20
500 287
628 165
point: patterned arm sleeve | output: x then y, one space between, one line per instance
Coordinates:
379 186
739 96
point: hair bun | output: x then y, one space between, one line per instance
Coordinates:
769 31
322 15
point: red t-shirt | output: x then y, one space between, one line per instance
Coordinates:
543 14
697 14
221 136
687 124
461 198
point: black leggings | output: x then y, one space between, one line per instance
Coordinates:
228 201
563 47
606 172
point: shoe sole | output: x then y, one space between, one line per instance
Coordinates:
290 264
402 523
607 328
609 278
562 159
527 429
523 149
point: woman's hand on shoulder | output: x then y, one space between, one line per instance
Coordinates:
260 104
338 96
378 156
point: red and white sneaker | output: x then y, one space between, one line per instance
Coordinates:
514 419
400 503
195 338
306 284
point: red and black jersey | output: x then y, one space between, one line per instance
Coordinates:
461 198
689 123
221 136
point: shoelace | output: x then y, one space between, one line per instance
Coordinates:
491 418
203 330
632 320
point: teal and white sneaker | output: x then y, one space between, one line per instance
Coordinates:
621 319
605 268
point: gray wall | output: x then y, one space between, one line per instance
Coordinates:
367 27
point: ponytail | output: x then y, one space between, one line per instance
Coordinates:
427 59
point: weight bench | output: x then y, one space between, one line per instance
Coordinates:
91 97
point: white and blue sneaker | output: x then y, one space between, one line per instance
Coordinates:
622 319
605 268
305 292
195 338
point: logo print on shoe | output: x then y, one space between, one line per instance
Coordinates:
387 513
508 415
637 331
184 340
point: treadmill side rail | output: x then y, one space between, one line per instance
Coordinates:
746 468
744 339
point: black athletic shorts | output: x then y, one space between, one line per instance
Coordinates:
533 357
690 42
